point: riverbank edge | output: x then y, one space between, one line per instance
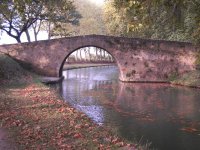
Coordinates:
172 83
85 65
190 79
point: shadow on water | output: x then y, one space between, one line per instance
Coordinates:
167 116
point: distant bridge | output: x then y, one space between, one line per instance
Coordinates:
140 60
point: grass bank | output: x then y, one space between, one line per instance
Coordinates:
36 117
190 79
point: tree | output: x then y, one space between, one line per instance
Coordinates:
61 13
36 28
17 16
160 19
123 17
91 21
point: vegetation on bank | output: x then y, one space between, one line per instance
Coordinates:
10 71
37 117
191 79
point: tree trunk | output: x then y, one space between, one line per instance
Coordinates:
34 26
35 35
77 56
101 57
104 55
80 56
17 38
89 54
49 30
96 54
86 57
28 36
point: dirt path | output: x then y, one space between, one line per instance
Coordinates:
6 142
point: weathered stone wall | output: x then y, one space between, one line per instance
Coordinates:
137 59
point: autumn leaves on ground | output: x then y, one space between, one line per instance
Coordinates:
35 117
40 120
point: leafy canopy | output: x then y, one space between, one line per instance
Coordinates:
162 19
17 16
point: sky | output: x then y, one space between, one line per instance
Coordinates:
98 2
5 39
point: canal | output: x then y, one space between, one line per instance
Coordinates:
167 116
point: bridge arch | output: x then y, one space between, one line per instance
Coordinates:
84 46
138 60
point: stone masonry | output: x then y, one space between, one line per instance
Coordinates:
139 60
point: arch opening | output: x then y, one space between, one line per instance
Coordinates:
87 56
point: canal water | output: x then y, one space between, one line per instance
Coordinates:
167 116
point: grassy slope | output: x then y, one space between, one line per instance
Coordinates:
38 118
11 72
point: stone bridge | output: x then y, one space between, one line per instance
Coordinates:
140 60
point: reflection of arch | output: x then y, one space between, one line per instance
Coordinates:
63 62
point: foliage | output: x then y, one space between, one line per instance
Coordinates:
160 19
191 79
91 21
197 62
123 17
17 16
64 13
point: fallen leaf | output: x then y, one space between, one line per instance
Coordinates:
189 129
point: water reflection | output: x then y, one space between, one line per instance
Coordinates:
158 102
77 81
166 115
